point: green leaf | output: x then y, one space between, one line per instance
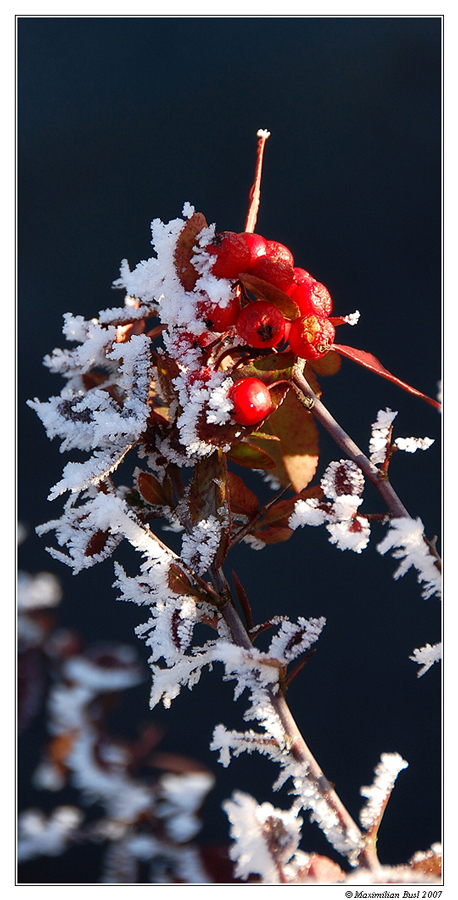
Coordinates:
271 368
245 454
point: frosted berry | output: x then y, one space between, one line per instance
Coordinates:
274 250
312 297
261 324
276 271
218 318
232 254
311 336
251 401
256 246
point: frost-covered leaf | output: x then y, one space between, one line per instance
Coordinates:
426 657
428 862
265 838
185 249
378 793
208 509
406 539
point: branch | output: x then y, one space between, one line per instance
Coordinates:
378 478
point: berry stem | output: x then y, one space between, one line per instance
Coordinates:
255 193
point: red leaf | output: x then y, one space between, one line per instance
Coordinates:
241 499
151 489
369 361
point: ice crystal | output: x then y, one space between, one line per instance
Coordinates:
342 482
378 793
265 838
411 444
406 538
39 835
380 432
426 657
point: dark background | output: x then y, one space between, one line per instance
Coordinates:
121 120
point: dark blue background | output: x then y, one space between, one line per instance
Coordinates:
121 120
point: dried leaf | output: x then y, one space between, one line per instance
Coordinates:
167 369
265 291
296 456
429 861
241 499
274 535
96 543
329 364
243 600
179 582
371 362
151 489
279 513
185 249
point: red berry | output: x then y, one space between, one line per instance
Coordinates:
312 297
276 271
300 275
278 251
311 336
251 401
261 324
232 254
218 318
256 245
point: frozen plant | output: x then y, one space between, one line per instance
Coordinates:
212 363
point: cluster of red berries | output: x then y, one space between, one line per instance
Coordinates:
260 323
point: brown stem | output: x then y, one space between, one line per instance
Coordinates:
395 507
298 747
255 193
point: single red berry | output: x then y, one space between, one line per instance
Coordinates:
278 251
312 297
232 254
251 401
261 324
256 245
311 336
218 318
275 271
300 275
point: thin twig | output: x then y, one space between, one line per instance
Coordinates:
255 193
